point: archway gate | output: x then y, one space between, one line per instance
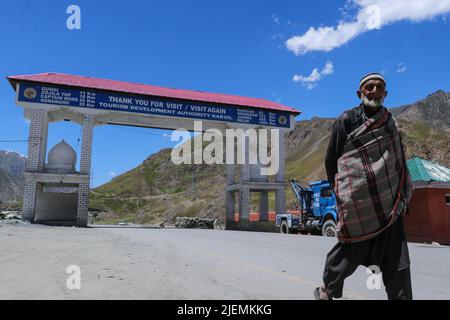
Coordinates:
90 102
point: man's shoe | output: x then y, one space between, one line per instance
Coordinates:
321 294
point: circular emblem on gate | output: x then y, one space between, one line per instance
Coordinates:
282 120
30 93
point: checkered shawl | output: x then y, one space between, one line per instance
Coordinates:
372 186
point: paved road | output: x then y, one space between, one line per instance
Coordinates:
136 263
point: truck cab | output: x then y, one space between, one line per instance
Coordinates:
317 210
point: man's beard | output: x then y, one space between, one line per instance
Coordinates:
374 103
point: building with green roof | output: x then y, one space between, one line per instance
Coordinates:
429 209
426 171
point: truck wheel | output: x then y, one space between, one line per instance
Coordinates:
284 228
329 229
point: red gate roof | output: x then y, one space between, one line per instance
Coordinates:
145 89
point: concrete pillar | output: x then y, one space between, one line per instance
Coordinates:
86 146
280 201
29 200
244 204
245 167
280 194
282 158
230 196
37 144
230 172
85 168
230 201
263 206
43 145
83 205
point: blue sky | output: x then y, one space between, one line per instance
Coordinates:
235 47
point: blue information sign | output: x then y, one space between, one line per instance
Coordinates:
74 97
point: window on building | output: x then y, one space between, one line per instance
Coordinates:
447 199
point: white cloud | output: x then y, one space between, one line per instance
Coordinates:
310 82
275 19
113 173
372 14
347 11
276 97
279 35
293 24
401 68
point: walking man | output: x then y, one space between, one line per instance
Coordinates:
366 166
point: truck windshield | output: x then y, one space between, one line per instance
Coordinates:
326 192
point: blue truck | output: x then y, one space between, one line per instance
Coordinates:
317 213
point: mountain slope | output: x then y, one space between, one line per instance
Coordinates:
12 167
434 111
425 141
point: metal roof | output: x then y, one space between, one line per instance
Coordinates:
423 170
144 89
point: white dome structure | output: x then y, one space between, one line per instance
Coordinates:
62 158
